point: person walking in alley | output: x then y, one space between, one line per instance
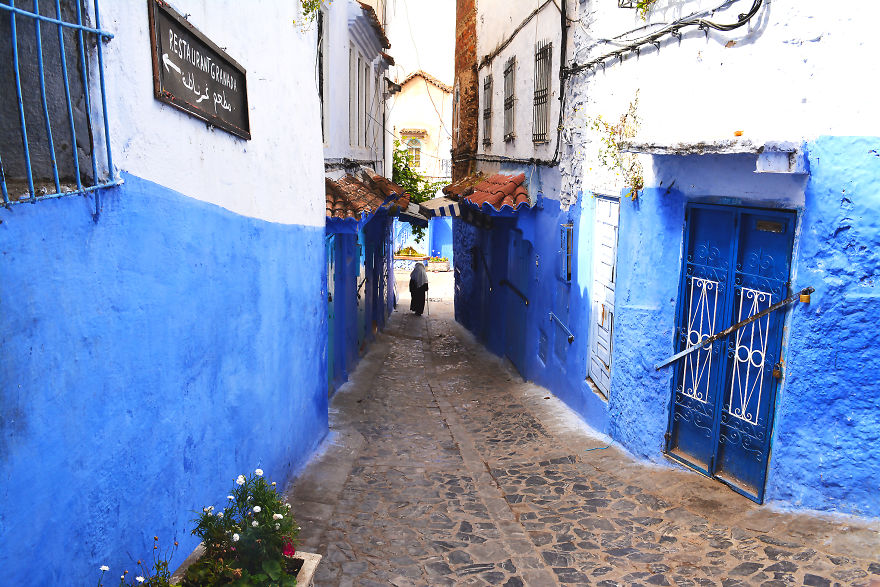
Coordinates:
418 288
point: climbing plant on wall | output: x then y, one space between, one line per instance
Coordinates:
611 136
643 7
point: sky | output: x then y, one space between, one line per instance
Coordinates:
422 35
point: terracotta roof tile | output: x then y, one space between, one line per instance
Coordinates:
499 191
464 186
350 196
428 78
374 20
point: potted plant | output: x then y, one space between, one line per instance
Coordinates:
410 254
438 264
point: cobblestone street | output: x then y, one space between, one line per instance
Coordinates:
444 468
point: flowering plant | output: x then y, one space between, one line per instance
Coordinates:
249 541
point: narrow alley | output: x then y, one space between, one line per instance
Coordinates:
444 468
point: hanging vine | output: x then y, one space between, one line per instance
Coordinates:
610 155
644 6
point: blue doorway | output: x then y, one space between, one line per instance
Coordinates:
737 263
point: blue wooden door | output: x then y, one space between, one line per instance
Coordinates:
737 263
518 275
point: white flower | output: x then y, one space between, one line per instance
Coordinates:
219 514
230 497
257 509
259 472
250 497
208 509
277 516
273 484
105 568
240 480
235 537
277 526
139 579
210 514
288 505
255 523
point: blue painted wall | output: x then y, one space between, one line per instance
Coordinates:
148 359
826 448
376 292
485 312
825 451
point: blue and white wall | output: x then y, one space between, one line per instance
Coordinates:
776 79
152 355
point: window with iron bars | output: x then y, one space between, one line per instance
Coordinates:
626 3
509 98
541 121
487 111
51 114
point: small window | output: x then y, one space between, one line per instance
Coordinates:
566 246
365 105
352 96
509 98
51 114
414 148
543 56
487 111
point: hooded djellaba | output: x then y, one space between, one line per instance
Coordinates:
418 288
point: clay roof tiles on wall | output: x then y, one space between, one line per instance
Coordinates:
499 191
374 20
351 197
428 78
464 186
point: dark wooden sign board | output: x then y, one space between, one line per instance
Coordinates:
192 73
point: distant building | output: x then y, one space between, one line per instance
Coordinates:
705 166
422 118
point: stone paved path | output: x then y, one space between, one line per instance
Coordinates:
445 468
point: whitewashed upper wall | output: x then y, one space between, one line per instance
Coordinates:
347 26
496 21
276 176
794 72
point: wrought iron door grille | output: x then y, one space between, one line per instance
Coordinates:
626 3
487 111
509 97
52 164
543 56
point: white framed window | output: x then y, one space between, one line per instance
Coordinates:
361 118
414 148
543 55
352 96
365 105
509 98
487 110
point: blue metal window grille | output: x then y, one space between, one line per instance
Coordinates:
47 49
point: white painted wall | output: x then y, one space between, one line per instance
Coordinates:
276 176
496 20
348 27
422 105
795 72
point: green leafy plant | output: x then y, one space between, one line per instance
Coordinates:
415 184
310 10
643 7
249 542
610 154
154 574
437 259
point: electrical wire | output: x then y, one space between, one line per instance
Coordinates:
697 19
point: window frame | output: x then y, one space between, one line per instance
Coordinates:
566 251
487 110
510 99
543 89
